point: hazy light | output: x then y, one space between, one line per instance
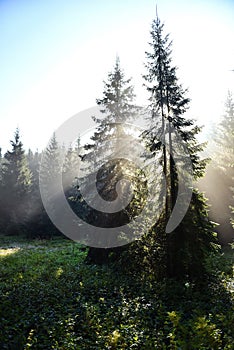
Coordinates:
55 57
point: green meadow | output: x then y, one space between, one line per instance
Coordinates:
52 299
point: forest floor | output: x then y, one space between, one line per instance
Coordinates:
51 299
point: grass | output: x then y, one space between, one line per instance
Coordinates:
50 299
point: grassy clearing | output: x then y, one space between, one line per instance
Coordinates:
50 299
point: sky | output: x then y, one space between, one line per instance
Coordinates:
54 56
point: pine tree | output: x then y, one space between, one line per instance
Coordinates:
52 160
50 170
34 163
36 225
118 96
168 104
111 137
16 187
71 169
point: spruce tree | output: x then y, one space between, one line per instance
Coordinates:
16 187
38 217
34 163
50 170
111 136
70 171
168 104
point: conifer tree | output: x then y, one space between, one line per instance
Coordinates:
52 160
16 187
71 168
168 104
50 170
117 106
34 163
36 226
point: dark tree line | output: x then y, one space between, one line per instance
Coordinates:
21 207
15 186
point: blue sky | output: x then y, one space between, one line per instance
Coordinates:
55 54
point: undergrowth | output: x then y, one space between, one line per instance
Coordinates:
51 299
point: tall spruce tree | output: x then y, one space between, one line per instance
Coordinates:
16 187
111 136
168 104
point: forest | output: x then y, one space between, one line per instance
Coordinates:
151 264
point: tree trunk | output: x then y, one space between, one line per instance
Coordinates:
98 256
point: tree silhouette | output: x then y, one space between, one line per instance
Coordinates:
108 142
15 187
168 105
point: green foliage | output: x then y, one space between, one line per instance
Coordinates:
51 161
50 299
70 171
193 240
191 244
110 142
48 165
163 291
184 247
118 96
